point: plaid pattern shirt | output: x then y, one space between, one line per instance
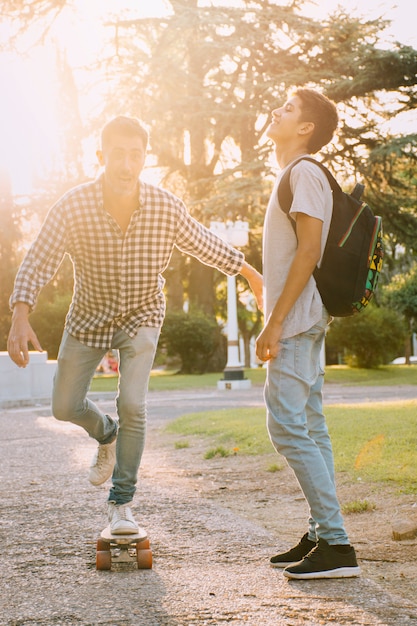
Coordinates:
118 276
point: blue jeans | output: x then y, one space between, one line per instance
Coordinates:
77 364
298 430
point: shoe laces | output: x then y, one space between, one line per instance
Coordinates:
315 553
122 511
102 455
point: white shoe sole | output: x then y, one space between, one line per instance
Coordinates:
340 572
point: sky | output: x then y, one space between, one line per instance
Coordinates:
28 124
400 12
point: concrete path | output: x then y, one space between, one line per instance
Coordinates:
210 565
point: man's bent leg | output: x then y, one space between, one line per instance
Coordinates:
77 364
136 360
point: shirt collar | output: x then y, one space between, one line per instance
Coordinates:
99 190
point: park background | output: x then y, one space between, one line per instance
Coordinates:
205 77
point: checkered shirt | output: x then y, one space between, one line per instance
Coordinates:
118 277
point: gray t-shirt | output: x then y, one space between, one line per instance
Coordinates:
312 195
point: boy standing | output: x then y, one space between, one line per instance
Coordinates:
293 336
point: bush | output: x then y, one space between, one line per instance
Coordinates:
193 337
48 321
369 339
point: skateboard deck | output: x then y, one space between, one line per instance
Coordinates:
115 549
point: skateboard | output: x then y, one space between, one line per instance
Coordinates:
112 549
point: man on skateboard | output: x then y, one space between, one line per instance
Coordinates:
119 233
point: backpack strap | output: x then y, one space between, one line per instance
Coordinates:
358 191
285 196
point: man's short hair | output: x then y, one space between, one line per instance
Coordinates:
127 126
317 108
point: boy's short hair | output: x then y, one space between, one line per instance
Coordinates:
317 108
127 126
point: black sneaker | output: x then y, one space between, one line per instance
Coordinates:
294 555
325 561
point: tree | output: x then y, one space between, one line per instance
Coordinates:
206 78
10 236
48 320
193 337
401 296
392 181
368 339
202 79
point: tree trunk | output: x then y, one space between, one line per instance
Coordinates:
201 291
174 282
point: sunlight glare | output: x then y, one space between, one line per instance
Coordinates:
29 126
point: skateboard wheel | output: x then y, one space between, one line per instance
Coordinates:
102 545
143 545
144 558
103 560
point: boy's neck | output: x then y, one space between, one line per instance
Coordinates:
284 157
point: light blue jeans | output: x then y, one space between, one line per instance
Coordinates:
298 430
77 364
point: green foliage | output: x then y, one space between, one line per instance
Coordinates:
401 295
391 189
205 77
358 506
209 73
219 451
369 339
274 467
182 445
51 309
48 321
193 337
10 238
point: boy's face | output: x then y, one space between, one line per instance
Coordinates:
286 125
123 158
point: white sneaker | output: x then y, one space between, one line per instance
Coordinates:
103 463
121 519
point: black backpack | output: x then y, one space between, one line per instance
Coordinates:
352 258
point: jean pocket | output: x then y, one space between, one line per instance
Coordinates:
307 353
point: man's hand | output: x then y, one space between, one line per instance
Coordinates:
255 281
20 335
267 343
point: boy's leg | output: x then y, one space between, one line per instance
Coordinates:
316 424
292 376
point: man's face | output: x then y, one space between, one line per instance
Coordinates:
123 158
285 124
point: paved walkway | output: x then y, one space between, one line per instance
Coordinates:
163 406
210 564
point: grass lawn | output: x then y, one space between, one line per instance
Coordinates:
162 380
371 441
374 442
